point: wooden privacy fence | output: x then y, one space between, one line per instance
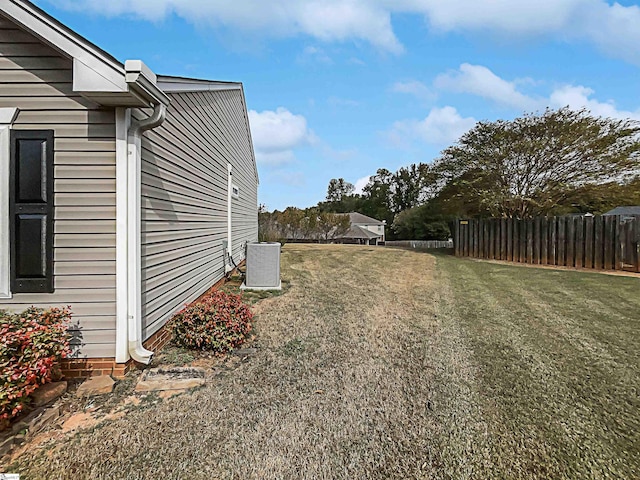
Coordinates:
605 242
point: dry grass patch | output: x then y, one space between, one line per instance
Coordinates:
383 363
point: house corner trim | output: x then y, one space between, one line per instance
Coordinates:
7 117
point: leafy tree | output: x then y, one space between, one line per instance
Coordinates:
376 195
338 188
422 223
412 186
296 224
600 198
332 225
527 166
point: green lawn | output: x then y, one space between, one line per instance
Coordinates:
387 363
556 365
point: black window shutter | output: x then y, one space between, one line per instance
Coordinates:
31 211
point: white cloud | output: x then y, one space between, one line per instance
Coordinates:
277 133
360 184
312 54
578 97
611 27
441 127
415 88
479 80
325 20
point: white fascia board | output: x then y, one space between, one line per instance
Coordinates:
7 117
186 87
142 81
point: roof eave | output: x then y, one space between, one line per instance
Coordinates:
97 75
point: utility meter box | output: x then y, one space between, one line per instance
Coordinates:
263 266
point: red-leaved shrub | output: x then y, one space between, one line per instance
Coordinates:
220 322
31 344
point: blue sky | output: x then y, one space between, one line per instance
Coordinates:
340 88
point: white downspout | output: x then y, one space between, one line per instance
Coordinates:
123 122
227 266
134 243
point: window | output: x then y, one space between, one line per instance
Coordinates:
31 211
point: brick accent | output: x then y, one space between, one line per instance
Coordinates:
94 367
158 340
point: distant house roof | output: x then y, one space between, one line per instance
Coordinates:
359 232
629 210
355 217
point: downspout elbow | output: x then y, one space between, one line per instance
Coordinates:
156 119
139 353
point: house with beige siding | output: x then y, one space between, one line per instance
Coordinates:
123 194
363 230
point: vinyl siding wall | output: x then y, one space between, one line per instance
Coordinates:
184 199
37 80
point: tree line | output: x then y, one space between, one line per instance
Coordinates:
551 163
301 224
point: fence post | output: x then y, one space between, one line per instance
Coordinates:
608 242
544 241
571 242
598 243
530 240
579 242
562 241
588 242
619 235
492 236
553 240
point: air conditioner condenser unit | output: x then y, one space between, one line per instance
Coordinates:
263 266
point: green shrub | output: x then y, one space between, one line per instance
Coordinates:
31 345
219 323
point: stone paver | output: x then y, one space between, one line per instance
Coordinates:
48 393
96 386
158 379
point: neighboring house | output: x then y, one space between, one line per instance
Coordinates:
120 190
364 230
625 211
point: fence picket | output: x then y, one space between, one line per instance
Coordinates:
562 241
553 241
579 250
608 233
544 240
598 243
618 263
588 242
571 242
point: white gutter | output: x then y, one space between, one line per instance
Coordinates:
134 240
227 263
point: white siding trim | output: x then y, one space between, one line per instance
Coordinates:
123 121
7 116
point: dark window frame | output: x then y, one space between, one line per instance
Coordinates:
32 285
